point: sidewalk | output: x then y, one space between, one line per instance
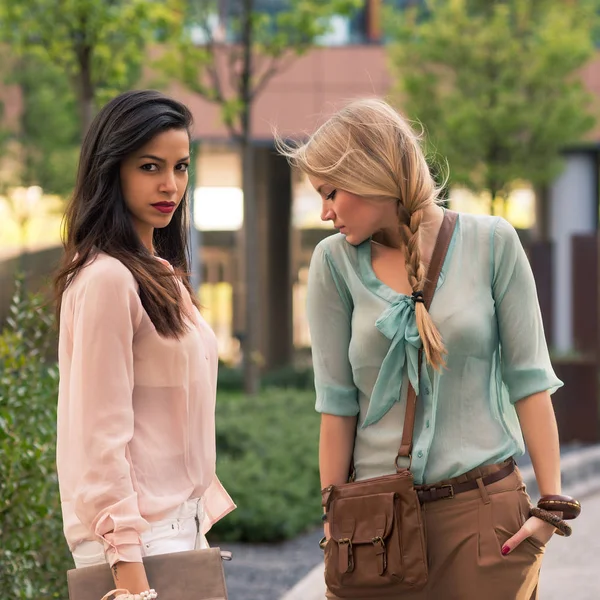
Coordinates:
572 566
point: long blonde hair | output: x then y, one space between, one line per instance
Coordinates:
368 149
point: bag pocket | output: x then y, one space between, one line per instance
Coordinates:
364 551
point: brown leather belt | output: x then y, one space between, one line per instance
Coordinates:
448 491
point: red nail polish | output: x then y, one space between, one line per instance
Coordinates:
505 550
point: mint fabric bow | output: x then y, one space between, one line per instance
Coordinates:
399 324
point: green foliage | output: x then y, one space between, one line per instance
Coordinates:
33 553
232 379
48 135
267 459
100 45
497 84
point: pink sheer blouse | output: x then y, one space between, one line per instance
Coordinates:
136 414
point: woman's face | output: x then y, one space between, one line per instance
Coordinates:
154 179
356 217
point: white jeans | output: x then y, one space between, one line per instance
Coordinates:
176 533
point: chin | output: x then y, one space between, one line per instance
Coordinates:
353 239
161 223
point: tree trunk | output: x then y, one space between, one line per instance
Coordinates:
542 216
86 92
505 205
250 342
493 193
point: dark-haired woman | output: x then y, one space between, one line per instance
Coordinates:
138 363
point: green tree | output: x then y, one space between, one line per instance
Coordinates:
496 84
99 44
242 47
48 135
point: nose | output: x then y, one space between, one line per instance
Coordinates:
168 184
327 213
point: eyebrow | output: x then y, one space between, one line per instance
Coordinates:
162 160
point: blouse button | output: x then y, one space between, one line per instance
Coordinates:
420 454
427 391
427 424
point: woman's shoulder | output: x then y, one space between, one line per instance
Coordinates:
486 228
102 270
337 249
332 242
470 221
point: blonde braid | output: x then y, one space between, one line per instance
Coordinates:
433 345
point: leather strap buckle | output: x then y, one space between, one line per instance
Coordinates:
401 468
346 556
451 488
380 553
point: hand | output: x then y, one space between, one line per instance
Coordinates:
533 527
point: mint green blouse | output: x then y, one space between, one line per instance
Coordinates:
365 347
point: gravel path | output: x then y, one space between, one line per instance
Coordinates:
267 571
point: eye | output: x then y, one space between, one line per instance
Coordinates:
149 167
183 167
331 195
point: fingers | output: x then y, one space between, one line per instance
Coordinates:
514 541
532 526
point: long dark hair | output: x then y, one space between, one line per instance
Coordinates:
97 219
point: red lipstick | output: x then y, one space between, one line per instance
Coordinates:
164 207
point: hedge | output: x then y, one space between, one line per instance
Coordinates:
267 458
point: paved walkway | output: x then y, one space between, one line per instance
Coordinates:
571 568
266 571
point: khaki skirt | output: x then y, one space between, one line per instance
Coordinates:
465 536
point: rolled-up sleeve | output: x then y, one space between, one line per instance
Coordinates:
329 312
526 366
106 313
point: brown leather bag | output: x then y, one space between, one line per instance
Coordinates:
191 575
377 541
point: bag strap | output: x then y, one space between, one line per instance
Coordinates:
440 250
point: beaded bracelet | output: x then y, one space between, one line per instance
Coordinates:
561 527
126 595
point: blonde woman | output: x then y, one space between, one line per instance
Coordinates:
485 380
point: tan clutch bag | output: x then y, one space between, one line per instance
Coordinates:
192 575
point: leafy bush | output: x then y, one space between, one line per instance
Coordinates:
230 379
290 377
267 459
299 378
33 553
